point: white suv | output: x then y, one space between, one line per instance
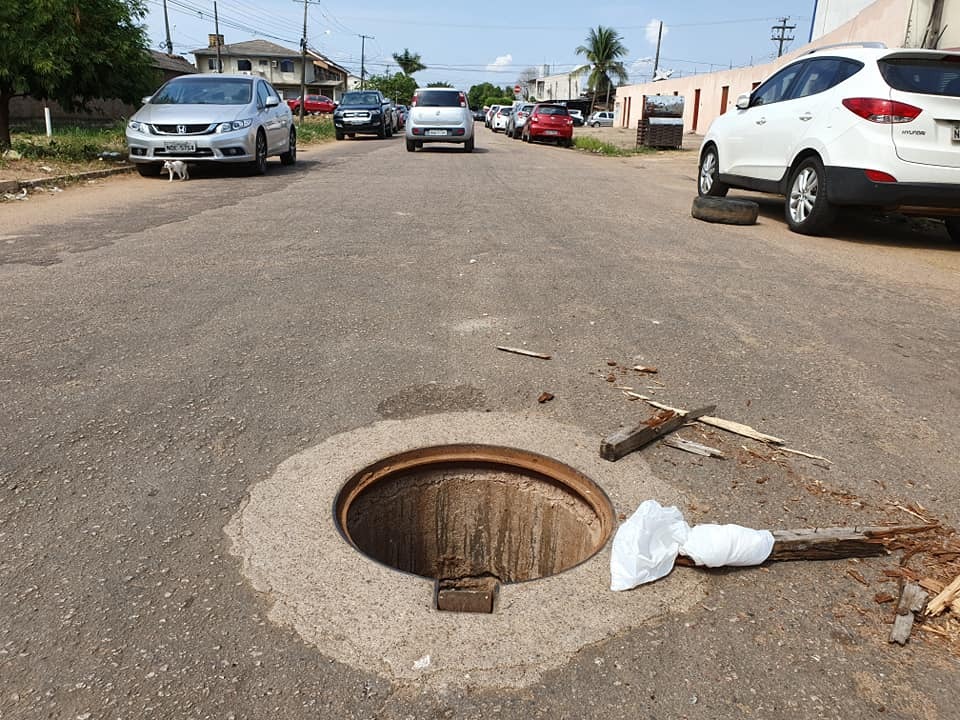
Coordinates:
854 126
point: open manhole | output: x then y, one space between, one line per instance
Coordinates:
472 517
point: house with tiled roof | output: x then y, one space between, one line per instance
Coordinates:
279 65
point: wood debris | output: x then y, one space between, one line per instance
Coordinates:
521 351
728 425
804 454
693 447
646 369
625 441
942 601
545 397
911 602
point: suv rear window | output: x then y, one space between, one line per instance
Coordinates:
933 76
438 98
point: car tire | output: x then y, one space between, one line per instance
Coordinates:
951 223
149 169
709 170
729 211
259 164
419 144
382 130
290 156
338 134
807 209
468 145
411 146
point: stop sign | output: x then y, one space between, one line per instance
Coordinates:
517 89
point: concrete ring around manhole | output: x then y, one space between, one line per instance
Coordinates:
320 538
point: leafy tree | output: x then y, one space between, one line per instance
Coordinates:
603 50
477 95
409 62
399 86
72 52
440 85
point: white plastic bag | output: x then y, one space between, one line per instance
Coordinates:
727 545
646 545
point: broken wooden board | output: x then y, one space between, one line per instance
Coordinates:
521 351
625 441
911 602
832 543
944 598
693 447
473 595
728 425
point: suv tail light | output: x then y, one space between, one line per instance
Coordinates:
882 111
413 102
463 100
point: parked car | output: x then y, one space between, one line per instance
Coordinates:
439 115
845 126
363 111
517 119
549 122
491 111
601 117
499 119
577 116
402 112
479 115
212 119
315 104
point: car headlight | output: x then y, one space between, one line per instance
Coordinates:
138 126
234 125
374 114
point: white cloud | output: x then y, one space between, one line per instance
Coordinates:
501 62
653 28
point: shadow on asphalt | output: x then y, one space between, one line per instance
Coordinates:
206 171
868 228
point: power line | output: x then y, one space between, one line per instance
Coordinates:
781 37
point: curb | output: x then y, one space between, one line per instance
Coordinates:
15 185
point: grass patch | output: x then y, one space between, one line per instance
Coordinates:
69 144
315 129
591 144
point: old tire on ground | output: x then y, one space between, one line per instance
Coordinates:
149 169
411 145
729 211
952 224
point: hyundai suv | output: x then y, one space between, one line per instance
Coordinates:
845 126
439 115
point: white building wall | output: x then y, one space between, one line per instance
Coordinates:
556 87
831 14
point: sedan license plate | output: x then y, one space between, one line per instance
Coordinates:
436 132
551 132
180 147
956 133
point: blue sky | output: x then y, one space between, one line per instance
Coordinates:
495 42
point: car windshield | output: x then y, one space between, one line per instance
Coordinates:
552 110
359 99
933 76
205 91
438 98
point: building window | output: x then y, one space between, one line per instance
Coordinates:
244 65
263 63
286 66
211 64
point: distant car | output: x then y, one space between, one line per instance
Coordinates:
479 115
402 112
315 104
363 111
549 122
212 119
845 126
499 119
577 116
601 117
517 119
491 111
439 115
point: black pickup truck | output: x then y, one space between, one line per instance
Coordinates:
363 111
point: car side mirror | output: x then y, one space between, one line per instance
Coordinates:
272 101
743 102
146 98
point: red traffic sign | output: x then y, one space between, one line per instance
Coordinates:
517 89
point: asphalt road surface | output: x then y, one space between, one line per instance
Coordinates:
164 346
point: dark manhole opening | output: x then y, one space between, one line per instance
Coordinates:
472 517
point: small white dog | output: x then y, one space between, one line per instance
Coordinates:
176 167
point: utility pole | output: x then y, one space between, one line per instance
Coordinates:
166 22
363 45
781 37
303 67
216 30
656 59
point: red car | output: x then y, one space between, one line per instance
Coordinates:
315 104
549 122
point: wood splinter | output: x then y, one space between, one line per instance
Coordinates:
521 351
912 600
625 441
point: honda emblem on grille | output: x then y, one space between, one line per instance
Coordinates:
181 129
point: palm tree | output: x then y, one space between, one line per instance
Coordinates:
409 62
603 51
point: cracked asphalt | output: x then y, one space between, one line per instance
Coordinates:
165 346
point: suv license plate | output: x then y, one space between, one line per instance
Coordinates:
436 132
956 133
180 147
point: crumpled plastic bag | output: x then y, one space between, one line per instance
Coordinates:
646 545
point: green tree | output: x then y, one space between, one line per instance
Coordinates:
477 94
409 62
398 87
72 51
603 50
440 85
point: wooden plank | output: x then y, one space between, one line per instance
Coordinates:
728 425
521 351
693 447
832 543
473 595
945 598
911 602
804 454
625 441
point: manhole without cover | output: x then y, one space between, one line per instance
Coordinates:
474 516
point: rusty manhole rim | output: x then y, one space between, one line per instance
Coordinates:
555 471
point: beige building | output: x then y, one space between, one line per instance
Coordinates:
564 86
897 23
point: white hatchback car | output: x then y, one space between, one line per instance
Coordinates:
846 126
439 115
